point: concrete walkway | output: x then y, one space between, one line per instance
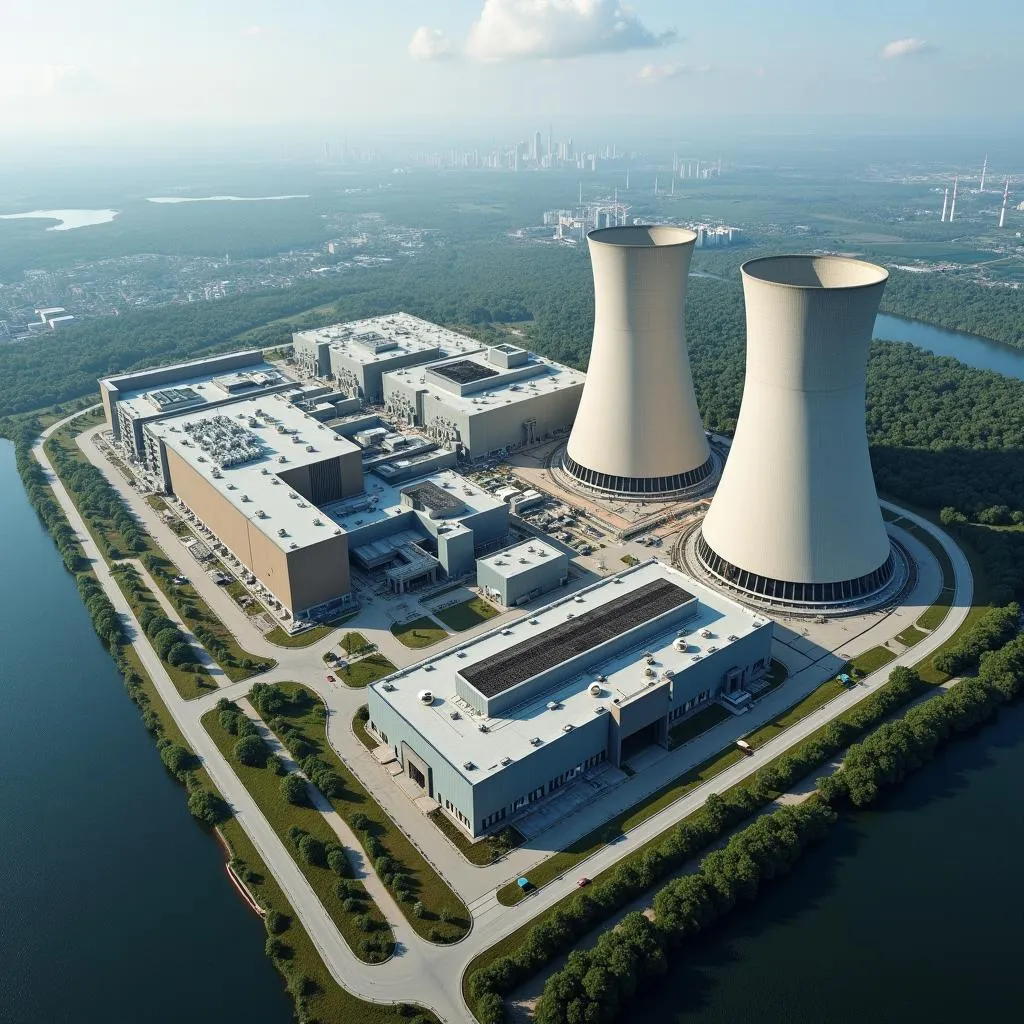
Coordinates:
420 971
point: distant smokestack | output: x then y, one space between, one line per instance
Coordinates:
984 168
1006 195
627 179
945 203
952 209
655 184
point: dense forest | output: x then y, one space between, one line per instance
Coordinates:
957 304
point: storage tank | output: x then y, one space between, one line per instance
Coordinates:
638 433
796 518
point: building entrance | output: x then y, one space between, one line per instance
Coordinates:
639 740
417 776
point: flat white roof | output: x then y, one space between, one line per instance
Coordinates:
382 500
282 437
522 558
551 377
401 333
204 387
510 735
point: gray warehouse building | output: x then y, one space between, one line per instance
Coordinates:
356 355
490 727
488 401
522 573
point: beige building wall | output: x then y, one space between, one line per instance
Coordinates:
299 579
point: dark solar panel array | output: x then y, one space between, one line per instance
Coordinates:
434 498
573 637
465 371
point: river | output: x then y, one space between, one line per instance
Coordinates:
910 913
114 903
981 353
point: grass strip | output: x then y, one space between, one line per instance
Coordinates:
466 614
445 917
418 633
365 671
366 931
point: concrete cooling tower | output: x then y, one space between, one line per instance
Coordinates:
638 433
795 519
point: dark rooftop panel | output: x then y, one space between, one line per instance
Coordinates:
463 371
431 498
573 637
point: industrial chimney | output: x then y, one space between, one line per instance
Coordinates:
795 519
638 433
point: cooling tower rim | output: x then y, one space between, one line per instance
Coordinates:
862 274
643 236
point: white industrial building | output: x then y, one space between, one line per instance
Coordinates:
355 355
522 573
490 727
638 433
486 402
795 519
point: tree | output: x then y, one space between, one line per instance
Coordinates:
251 751
313 851
207 807
181 654
176 759
293 789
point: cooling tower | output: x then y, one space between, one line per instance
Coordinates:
795 518
638 433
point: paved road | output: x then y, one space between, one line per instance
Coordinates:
422 972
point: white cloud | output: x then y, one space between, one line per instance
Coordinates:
553 29
40 81
657 72
429 44
254 30
905 48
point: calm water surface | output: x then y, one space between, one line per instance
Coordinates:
981 353
114 905
908 914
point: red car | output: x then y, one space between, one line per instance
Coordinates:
583 881
331 679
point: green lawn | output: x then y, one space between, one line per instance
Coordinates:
467 614
814 700
430 889
931 618
417 633
564 860
696 724
483 851
910 636
359 728
365 671
188 684
265 788
353 643
872 660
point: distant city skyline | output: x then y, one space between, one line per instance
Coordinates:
119 71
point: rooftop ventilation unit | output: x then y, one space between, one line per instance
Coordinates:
553 705
469 766
536 741
426 697
484 727
733 637
712 649
506 761
568 727
454 715
388 687
595 690
599 709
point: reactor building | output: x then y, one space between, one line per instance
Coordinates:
638 433
795 519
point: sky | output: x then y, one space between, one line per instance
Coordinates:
122 70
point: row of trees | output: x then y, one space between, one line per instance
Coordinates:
23 433
596 983
563 927
992 630
896 749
